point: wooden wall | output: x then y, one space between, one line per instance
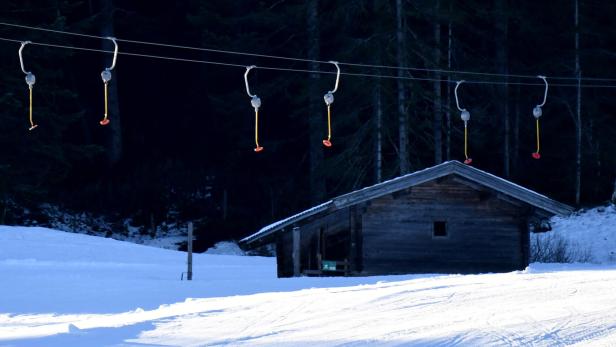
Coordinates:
335 228
284 254
485 233
393 234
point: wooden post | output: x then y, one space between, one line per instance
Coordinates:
296 251
525 242
352 239
190 251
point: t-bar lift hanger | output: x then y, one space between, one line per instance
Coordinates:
465 116
537 113
255 101
106 76
30 80
329 100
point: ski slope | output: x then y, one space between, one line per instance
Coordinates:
63 289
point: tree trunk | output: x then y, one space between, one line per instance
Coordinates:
578 125
437 101
516 132
403 156
449 64
114 131
377 110
315 108
502 61
378 139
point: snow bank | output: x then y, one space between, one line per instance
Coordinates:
225 248
169 234
589 235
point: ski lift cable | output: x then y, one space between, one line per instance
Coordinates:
219 63
269 56
126 53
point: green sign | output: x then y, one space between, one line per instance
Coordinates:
329 265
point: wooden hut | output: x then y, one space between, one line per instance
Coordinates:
450 218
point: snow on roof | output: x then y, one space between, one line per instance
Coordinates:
444 169
454 167
508 182
314 210
394 180
284 222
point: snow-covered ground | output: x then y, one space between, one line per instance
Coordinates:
169 234
588 236
63 289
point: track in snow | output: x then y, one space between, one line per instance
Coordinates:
61 289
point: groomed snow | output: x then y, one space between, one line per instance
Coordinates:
63 289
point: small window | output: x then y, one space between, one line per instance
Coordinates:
439 229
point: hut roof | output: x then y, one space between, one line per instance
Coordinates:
448 168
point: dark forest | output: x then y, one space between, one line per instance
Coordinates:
181 134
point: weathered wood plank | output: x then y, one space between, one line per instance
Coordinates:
482 230
283 255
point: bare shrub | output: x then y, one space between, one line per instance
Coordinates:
553 248
268 250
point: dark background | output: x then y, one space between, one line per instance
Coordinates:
181 140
